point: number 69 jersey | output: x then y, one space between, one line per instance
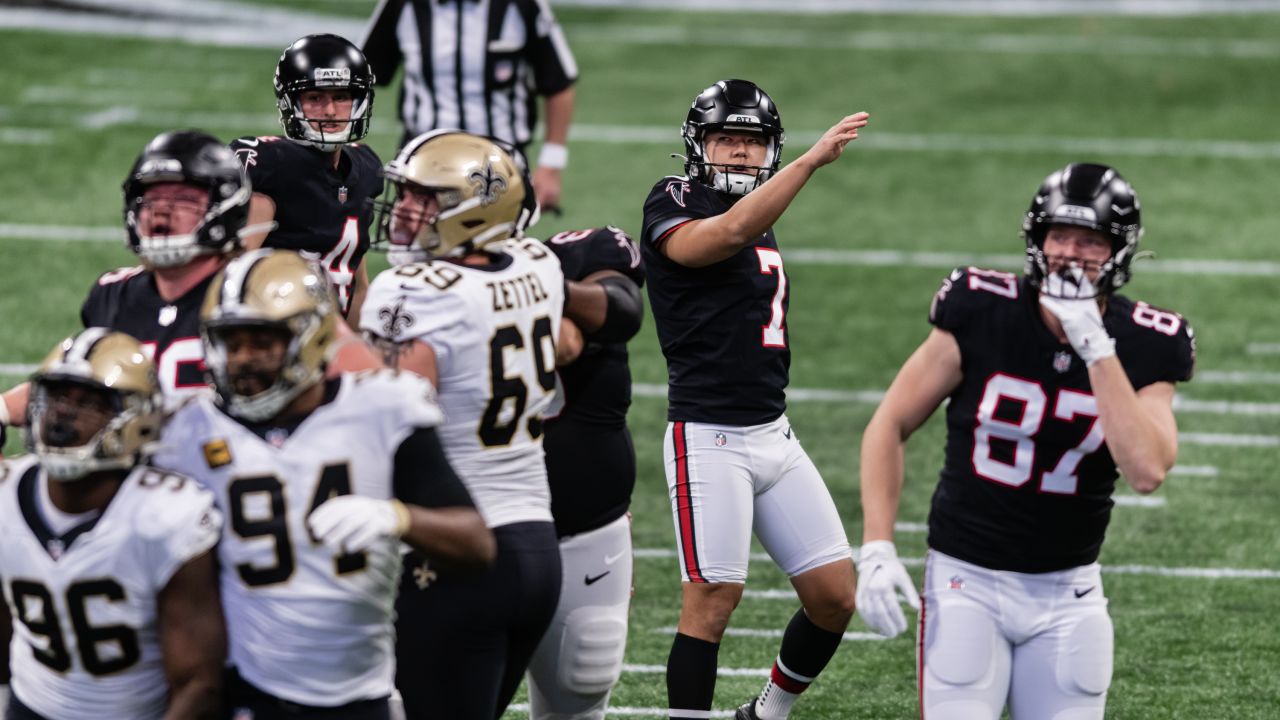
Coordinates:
1028 478
305 624
493 329
85 641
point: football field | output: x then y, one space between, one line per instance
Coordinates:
968 114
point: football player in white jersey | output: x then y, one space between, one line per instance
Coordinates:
107 564
320 481
478 315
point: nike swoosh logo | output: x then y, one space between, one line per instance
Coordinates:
611 559
788 432
592 580
1082 593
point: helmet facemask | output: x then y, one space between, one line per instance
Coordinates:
728 178
735 106
323 63
298 126
95 372
456 197
1089 196
208 237
265 299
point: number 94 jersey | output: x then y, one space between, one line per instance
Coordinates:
305 624
85 638
1028 478
493 329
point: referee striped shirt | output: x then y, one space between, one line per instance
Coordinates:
475 65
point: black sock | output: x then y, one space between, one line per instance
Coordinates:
691 674
806 650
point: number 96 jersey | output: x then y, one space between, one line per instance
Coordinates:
493 329
304 623
85 638
1027 482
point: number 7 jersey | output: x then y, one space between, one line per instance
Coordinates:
493 329
1027 481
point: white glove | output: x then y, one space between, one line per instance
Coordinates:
881 578
1081 320
350 523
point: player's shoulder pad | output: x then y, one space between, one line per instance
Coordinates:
583 252
166 502
390 393
968 291
1166 332
119 275
253 151
12 470
365 153
405 302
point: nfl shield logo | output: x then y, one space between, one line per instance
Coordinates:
342 194
1062 361
956 583
168 314
721 440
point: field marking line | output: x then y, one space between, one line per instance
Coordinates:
762 633
624 711
995 8
1263 349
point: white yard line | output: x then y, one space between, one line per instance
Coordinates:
722 672
776 633
1185 572
25 136
1139 501
1014 8
916 42
1237 377
1194 471
1263 349
615 711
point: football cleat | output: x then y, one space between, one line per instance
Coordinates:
747 711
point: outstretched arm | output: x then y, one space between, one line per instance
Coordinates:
709 240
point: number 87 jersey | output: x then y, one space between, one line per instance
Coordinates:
1027 481
493 329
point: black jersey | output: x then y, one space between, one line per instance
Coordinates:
1027 481
127 300
722 327
320 209
590 460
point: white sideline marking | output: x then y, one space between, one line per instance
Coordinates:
789 594
1138 501
615 711
1224 407
757 632
1228 440
880 40
1263 348
1018 8
110 117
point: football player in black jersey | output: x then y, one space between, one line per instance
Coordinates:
186 201
718 293
1035 367
591 467
316 183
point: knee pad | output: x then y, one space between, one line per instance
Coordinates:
1085 662
959 645
591 650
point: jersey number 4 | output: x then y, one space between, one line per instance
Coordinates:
508 395
1070 404
266 493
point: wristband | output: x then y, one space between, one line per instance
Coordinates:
553 155
403 519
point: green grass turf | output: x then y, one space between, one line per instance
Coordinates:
1186 647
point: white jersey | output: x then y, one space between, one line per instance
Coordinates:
304 624
493 329
85 642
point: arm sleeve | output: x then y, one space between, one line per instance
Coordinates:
554 67
947 311
380 45
422 474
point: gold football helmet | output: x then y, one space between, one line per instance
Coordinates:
270 289
114 368
449 193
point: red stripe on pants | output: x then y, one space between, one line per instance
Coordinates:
684 505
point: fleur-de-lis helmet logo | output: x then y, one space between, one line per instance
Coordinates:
488 184
395 319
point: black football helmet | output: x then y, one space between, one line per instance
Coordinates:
323 62
201 160
1091 196
740 106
